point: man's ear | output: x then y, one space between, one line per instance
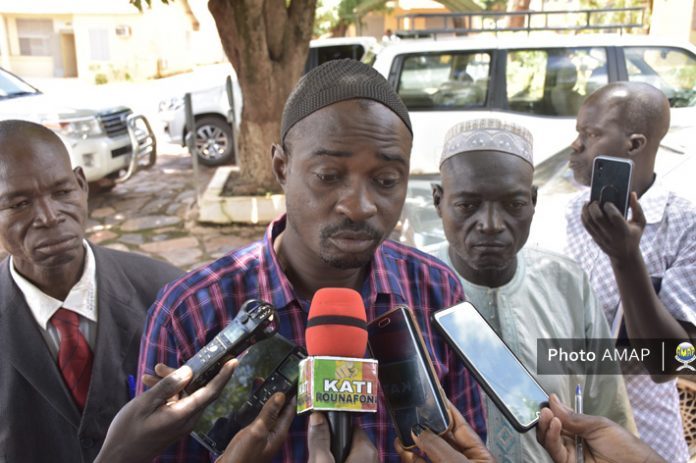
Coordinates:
535 191
279 164
638 142
81 179
437 197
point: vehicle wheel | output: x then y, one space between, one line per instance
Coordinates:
214 141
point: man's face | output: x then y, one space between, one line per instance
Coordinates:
43 205
599 133
486 207
345 177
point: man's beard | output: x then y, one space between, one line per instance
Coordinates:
345 262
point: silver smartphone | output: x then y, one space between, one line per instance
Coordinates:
501 375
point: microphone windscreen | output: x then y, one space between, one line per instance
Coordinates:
337 324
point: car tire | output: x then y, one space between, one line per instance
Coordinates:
214 141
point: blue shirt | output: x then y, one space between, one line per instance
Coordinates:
189 312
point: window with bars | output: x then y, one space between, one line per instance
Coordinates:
35 36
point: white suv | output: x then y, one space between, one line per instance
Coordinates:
538 82
109 142
211 109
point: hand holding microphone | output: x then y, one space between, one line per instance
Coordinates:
319 442
336 377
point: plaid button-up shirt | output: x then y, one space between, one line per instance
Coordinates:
668 246
191 311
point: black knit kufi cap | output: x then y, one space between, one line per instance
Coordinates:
338 80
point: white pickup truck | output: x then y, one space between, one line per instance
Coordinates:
108 143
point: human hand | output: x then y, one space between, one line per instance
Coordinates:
616 237
458 445
362 450
262 439
156 419
604 440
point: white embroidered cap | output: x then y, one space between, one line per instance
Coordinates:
488 134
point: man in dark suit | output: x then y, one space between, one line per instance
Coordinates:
71 313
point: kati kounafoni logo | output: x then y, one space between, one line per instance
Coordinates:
685 355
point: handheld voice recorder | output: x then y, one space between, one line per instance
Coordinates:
254 322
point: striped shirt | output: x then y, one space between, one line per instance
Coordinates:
189 312
668 245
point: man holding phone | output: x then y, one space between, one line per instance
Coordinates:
486 201
643 269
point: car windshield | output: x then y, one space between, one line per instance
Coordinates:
12 86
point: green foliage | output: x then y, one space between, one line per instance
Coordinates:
139 3
494 5
347 13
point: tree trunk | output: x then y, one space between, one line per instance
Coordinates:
267 43
520 5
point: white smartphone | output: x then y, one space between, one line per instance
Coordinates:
501 375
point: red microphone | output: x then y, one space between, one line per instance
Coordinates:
336 378
337 324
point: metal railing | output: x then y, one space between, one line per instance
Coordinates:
532 21
143 143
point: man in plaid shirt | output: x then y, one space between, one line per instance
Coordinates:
643 270
343 164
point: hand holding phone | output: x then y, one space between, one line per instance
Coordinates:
459 445
611 182
502 376
406 375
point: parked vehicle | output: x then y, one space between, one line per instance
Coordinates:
214 138
538 82
109 142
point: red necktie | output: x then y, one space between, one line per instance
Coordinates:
74 355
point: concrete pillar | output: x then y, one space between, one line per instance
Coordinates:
4 45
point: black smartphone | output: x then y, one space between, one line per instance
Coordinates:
611 182
406 375
269 366
501 375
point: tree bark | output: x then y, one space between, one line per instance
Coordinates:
518 21
267 43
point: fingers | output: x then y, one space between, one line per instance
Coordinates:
284 420
553 442
436 448
150 381
574 423
406 455
270 411
465 437
204 396
362 448
319 439
638 215
170 385
163 370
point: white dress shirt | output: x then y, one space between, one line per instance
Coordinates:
82 299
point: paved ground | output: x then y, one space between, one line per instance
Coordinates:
154 212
